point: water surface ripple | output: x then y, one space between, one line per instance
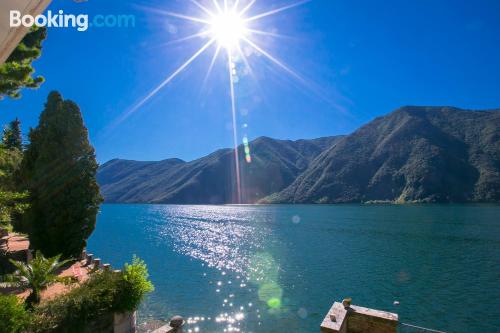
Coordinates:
279 268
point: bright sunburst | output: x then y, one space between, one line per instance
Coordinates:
227 24
228 28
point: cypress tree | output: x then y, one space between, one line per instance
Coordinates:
59 170
12 135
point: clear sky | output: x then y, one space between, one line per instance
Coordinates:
358 60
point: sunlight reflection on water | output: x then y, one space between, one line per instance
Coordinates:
230 239
265 269
222 237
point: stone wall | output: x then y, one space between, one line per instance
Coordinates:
114 323
362 323
357 319
125 322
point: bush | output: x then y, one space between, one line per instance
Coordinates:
13 315
103 294
82 305
135 285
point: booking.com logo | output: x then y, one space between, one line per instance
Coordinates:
61 20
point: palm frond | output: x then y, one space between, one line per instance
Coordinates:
38 274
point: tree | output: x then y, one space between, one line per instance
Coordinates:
59 171
36 275
16 73
12 138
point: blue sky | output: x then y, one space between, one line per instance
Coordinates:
358 59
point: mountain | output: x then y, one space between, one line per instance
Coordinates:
274 165
414 154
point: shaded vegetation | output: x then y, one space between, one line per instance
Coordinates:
12 138
104 293
37 275
58 170
12 198
13 316
17 72
84 307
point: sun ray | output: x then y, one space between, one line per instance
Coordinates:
266 33
225 23
173 14
275 11
235 128
216 3
252 74
274 60
203 8
193 36
245 60
185 17
310 86
247 7
166 81
236 4
212 63
227 26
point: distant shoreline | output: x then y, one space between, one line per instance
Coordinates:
312 204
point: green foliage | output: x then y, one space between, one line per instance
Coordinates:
75 310
13 315
59 169
104 293
135 285
12 138
10 160
12 206
16 73
12 203
36 275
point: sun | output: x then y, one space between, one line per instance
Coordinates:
228 28
227 24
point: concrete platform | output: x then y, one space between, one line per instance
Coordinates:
358 319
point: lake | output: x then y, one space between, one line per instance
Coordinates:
279 268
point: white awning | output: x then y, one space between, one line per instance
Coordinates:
10 37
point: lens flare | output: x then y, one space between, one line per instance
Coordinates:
228 28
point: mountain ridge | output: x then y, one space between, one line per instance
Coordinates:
211 176
413 154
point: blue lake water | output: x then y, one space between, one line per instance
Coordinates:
280 268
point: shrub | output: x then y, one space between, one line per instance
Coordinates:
82 305
135 285
103 294
36 275
13 315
